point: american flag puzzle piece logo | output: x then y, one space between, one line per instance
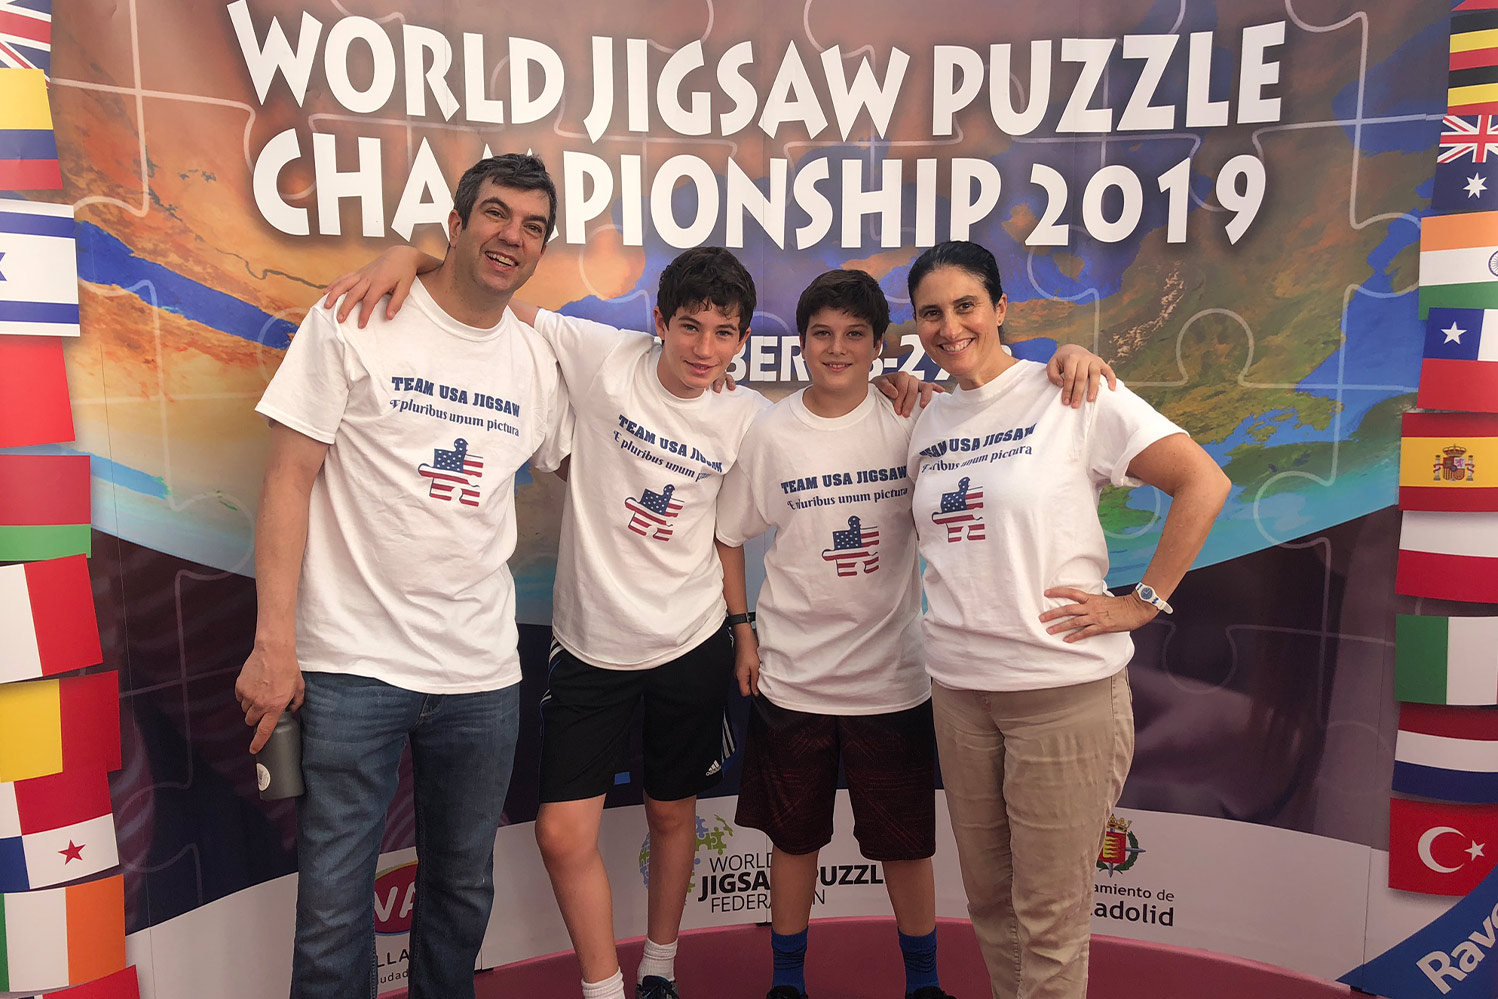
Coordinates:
454 470
652 513
956 513
853 546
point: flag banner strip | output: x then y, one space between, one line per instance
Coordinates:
1471 386
38 312
1466 5
1476 499
37 489
1458 232
33 29
1447 577
1445 785
1465 97
1459 534
30 175
23 99
1465 25
44 541
120 985
1438 425
1462 335
1454 723
1463 265
1470 755
28 144
1473 57
1476 107
35 224
1483 295
1475 75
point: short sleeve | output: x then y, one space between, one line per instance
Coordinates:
739 515
1122 426
311 388
560 425
582 346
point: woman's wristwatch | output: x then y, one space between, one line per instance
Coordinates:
1147 593
737 619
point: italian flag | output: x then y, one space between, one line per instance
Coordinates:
1446 660
47 620
62 936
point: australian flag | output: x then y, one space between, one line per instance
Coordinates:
26 35
454 470
957 512
853 546
652 513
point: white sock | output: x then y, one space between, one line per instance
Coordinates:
610 988
658 959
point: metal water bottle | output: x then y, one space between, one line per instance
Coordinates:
278 765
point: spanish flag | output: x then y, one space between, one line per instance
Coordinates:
28 149
62 936
47 726
1449 461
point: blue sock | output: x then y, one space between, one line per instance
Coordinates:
920 961
789 951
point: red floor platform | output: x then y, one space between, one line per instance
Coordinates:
859 959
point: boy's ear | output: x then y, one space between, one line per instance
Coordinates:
660 323
744 335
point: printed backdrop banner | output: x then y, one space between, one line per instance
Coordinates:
1224 199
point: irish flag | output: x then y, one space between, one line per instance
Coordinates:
55 829
1446 660
47 620
1450 556
62 936
1440 455
1447 753
47 726
1459 261
44 506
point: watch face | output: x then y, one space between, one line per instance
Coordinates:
1146 592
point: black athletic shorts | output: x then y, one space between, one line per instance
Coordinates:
585 723
789 783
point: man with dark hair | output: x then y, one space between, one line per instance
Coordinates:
386 607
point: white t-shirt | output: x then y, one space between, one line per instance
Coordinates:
638 579
1007 480
839 612
412 516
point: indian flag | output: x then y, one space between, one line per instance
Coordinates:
47 620
1459 261
1446 660
62 936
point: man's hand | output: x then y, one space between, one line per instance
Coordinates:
269 683
906 390
1078 371
746 662
392 272
1095 613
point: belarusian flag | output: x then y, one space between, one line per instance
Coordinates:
1459 261
47 620
47 726
1446 660
55 829
44 506
62 936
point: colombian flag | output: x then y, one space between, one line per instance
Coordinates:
28 150
62 936
1440 455
47 726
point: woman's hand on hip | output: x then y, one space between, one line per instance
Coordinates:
1094 613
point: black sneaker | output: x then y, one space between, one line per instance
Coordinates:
785 992
656 987
929 992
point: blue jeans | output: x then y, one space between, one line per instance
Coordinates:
354 730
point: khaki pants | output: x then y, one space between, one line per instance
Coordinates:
1030 779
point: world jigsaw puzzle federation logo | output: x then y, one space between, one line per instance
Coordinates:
712 838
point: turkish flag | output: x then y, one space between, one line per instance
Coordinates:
1441 849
